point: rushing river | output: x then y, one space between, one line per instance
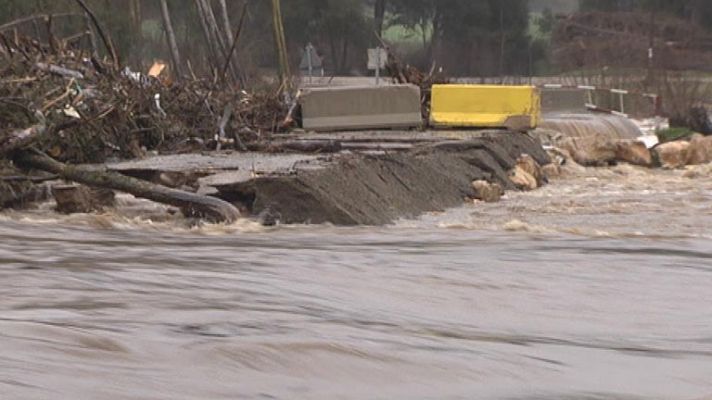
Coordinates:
595 287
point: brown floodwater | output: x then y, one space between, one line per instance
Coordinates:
598 286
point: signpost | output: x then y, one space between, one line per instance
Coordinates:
377 59
311 62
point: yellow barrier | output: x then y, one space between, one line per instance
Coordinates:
485 106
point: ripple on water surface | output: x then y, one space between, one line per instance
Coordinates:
593 288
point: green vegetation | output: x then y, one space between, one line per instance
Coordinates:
672 134
402 34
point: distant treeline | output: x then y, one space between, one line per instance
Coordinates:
695 11
464 37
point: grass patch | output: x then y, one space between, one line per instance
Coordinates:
672 134
404 35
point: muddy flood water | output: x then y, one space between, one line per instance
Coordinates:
598 286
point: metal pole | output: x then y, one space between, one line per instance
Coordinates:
281 43
309 61
530 68
378 65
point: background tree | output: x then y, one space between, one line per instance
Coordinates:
483 37
171 37
339 28
379 14
695 11
465 37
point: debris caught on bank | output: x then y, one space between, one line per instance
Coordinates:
61 106
403 73
91 114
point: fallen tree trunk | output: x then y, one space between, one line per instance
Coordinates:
191 204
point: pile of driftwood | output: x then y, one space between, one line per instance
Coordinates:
404 73
60 107
90 111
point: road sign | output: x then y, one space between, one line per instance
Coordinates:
377 61
311 63
377 58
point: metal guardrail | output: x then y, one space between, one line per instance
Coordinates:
619 108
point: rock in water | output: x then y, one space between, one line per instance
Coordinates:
601 151
551 170
522 179
633 152
529 165
590 151
72 199
699 151
269 216
673 154
698 171
487 192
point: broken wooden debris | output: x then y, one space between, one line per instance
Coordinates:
61 71
191 204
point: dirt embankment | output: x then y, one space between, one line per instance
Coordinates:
362 189
359 188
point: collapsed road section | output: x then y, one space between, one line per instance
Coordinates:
351 188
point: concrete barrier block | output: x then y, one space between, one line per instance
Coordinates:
360 107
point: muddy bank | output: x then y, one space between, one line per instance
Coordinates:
370 188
